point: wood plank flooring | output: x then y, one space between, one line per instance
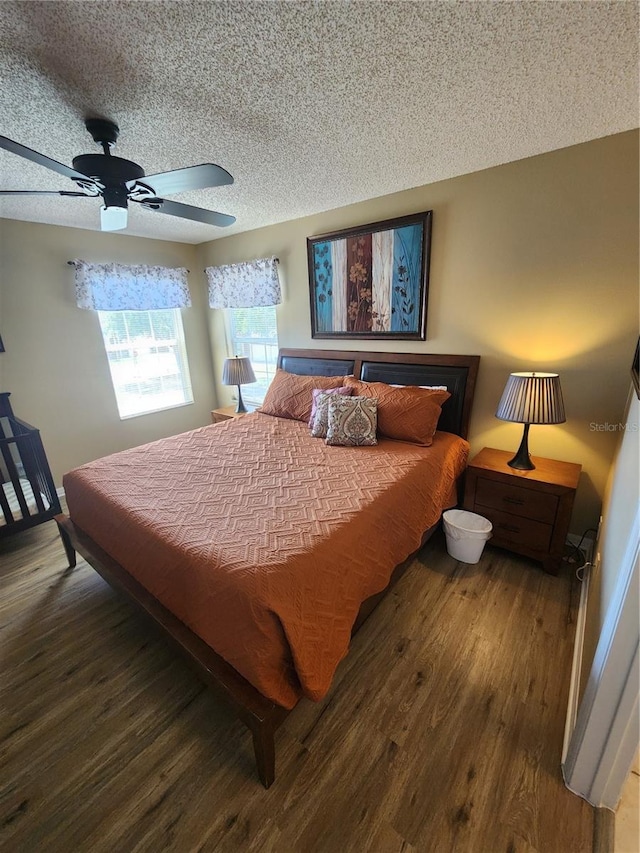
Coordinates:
459 679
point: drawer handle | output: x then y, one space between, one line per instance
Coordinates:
511 528
515 501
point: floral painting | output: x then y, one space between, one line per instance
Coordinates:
371 281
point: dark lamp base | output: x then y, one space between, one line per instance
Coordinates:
522 461
240 408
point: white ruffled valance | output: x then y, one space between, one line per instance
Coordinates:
250 284
122 287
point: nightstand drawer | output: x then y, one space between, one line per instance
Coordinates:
537 506
513 531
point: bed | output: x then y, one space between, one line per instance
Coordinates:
290 543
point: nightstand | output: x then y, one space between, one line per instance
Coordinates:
225 414
530 510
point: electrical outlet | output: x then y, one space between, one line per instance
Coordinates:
586 547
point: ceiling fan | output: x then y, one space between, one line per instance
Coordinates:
120 181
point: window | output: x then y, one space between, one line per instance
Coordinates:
253 333
147 360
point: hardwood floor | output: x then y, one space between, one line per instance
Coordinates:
460 678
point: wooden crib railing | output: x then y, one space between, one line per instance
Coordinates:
27 491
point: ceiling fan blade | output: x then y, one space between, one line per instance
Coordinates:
187 211
40 159
44 192
190 178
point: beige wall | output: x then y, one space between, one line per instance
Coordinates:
612 550
55 364
534 265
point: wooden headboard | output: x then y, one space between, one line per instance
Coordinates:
457 372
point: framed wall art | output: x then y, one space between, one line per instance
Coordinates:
371 281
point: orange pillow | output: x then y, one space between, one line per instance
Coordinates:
290 395
408 413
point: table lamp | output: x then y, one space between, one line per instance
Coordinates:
531 398
238 371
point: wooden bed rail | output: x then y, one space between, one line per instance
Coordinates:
262 716
259 714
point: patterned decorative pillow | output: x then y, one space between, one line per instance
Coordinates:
352 421
289 395
409 413
319 420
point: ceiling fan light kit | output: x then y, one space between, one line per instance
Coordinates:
113 218
119 181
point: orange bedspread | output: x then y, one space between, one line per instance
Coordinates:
263 540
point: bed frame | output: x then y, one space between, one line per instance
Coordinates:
261 715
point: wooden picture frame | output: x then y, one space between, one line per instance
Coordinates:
371 282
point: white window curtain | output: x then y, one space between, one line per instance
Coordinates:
121 287
251 284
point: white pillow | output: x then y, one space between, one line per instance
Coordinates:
428 387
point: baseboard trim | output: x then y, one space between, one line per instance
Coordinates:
60 492
576 665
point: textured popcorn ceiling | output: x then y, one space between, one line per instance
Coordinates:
309 105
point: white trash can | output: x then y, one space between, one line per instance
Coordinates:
466 533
